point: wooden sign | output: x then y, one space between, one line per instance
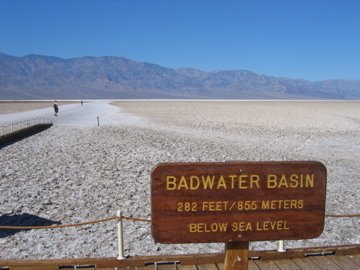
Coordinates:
237 201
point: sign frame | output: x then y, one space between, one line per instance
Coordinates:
209 202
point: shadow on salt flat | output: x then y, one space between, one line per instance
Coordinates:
22 220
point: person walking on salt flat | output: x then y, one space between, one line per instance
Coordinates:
56 108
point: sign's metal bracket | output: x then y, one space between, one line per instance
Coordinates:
324 253
162 263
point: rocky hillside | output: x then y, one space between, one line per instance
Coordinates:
46 77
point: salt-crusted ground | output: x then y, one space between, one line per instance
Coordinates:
21 106
73 173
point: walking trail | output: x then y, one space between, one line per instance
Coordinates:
77 115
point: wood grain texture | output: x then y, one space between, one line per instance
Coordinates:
236 256
325 263
355 259
305 264
267 265
287 264
344 262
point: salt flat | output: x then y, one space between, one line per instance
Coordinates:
92 113
7 107
72 172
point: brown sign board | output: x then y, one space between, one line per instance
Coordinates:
237 201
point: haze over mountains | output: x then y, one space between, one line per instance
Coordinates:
47 77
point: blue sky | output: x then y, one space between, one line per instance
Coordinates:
309 39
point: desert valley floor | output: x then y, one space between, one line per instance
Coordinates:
78 171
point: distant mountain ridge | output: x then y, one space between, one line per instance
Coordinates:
48 77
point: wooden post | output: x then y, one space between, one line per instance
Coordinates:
236 255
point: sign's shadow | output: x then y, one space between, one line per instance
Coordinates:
22 220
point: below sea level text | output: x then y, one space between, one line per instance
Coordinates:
243 226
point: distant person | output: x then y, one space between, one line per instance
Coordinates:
56 108
82 102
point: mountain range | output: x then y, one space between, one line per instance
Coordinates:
48 77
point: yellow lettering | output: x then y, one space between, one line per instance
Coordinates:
309 180
294 180
215 206
273 204
290 181
221 206
282 204
192 227
265 205
264 226
248 227
194 182
242 181
211 206
223 227
281 225
300 204
232 180
277 225
207 228
221 183
254 181
286 204
182 183
271 181
241 226
208 181
170 182
246 181
283 182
